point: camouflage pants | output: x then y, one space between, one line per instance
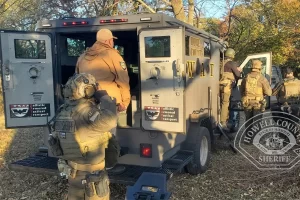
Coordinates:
76 189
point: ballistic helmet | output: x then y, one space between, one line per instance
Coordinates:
256 65
80 86
230 53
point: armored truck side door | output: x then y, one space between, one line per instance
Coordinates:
27 78
266 59
162 84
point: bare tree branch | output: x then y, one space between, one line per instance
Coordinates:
146 6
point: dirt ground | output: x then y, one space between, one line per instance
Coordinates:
230 176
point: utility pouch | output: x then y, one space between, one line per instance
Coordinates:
55 146
89 189
97 184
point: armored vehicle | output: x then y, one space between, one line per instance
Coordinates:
174 80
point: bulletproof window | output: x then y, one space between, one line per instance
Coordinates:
158 46
30 49
187 45
206 49
75 47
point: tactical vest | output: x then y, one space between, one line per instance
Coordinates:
253 93
75 137
290 92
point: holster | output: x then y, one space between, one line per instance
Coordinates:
55 146
96 184
263 105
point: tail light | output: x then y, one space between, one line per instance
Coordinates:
113 21
75 23
146 150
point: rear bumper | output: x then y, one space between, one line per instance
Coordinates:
41 164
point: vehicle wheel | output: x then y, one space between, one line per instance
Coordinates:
207 124
202 151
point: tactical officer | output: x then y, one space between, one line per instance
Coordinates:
231 74
108 67
287 92
253 89
79 135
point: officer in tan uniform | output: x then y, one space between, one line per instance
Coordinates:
108 67
253 89
231 73
287 92
80 133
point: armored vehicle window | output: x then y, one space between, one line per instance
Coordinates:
30 49
206 49
157 46
196 47
248 66
75 47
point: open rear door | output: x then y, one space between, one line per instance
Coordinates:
162 86
27 78
266 59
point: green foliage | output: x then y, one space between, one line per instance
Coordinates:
262 26
75 47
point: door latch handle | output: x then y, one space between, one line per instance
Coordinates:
154 73
7 74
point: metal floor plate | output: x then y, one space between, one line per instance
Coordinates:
48 165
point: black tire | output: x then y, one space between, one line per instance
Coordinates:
200 142
207 124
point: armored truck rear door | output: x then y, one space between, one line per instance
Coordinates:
161 67
27 78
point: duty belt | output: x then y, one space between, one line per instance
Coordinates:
86 167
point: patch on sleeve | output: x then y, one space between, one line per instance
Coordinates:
93 114
123 65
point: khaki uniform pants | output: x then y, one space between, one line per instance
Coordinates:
225 96
76 189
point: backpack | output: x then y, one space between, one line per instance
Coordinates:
251 88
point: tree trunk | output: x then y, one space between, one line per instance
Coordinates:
178 9
115 8
191 12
